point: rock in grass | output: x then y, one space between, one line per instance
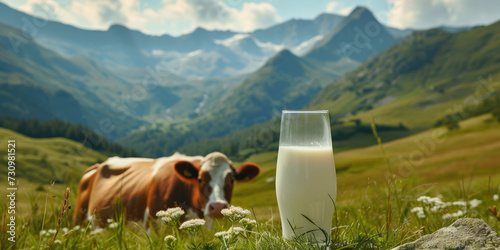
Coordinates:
465 233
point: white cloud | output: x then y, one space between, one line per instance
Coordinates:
331 7
336 7
432 13
91 14
180 16
346 10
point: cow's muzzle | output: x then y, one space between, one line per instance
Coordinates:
214 209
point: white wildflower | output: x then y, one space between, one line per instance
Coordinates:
460 203
76 228
220 234
435 209
97 231
192 223
474 203
65 230
235 211
192 226
419 211
170 241
43 232
435 201
170 238
113 225
229 235
109 221
57 242
457 214
171 212
236 230
423 199
248 224
52 231
495 197
166 219
234 214
171 216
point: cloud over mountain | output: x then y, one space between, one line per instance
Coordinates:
430 13
174 14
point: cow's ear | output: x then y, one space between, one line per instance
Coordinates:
247 172
186 170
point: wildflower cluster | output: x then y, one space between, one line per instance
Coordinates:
192 226
230 235
112 224
435 205
235 214
171 216
248 224
170 241
64 230
48 233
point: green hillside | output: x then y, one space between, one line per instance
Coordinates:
417 82
74 132
41 161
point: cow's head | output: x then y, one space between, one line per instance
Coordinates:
215 179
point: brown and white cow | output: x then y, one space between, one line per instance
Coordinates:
202 186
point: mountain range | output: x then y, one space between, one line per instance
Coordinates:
201 53
429 77
288 81
96 71
209 84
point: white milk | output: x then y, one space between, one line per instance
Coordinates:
305 181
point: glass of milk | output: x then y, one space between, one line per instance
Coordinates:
306 183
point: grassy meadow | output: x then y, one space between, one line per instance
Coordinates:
436 177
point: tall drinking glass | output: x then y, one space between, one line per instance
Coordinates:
306 183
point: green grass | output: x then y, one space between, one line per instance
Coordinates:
374 208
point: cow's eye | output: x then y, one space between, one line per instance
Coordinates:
200 181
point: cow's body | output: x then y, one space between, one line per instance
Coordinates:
200 185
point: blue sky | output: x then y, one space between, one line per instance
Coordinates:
177 17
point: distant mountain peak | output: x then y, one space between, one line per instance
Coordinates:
359 9
286 62
323 15
363 13
358 37
284 55
200 30
117 26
